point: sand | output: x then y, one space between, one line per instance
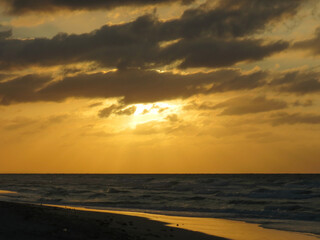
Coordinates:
35 222
27 221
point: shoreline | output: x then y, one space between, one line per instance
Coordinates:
229 229
304 227
63 222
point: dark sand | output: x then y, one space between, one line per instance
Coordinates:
27 221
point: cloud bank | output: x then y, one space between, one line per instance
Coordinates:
133 86
19 7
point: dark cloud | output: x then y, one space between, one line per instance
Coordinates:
95 104
22 89
207 37
226 19
70 70
313 44
106 112
126 111
18 7
246 105
117 109
64 49
295 118
230 18
136 86
133 86
299 82
110 49
129 44
210 52
240 82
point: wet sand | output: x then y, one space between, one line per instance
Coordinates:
35 222
229 229
7 192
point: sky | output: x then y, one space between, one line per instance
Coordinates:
167 86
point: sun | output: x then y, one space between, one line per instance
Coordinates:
152 112
142 109
153 109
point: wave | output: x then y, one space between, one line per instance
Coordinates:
273 197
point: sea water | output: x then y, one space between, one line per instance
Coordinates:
280 201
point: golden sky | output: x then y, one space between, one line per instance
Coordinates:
168 86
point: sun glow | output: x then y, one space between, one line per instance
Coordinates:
142 108
152 112
153 109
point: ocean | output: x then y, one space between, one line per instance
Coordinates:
279 201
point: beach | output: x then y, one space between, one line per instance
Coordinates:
28 221
34 221
92 206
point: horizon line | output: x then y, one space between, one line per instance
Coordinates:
72 173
